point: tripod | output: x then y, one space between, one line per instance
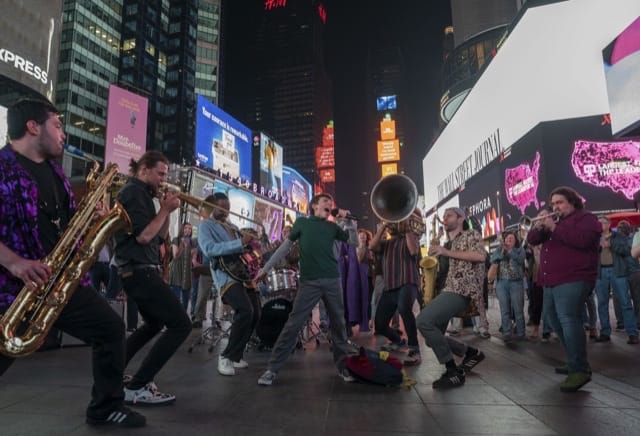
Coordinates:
220 327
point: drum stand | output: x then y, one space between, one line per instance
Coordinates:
220 328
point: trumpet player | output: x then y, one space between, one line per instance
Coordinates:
401 278
568 271
137 258
37 204
463 285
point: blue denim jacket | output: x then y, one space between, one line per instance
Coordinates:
511 264
623 263
215 241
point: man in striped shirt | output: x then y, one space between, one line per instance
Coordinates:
400 273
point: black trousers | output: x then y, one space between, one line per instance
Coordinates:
89 317
159 308
246 307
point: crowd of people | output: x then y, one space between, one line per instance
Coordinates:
358 277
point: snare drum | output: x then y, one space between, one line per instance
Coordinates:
282 280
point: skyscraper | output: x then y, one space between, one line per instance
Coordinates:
276 80
89 56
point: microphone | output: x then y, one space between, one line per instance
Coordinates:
335 212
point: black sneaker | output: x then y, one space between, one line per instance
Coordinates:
121 417
469 362
453 378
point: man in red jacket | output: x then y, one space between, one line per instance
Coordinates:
568 271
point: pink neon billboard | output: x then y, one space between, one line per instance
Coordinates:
521 184
613 165
126 136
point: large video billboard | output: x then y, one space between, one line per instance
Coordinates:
222 142
622 71
29 43
296 190
126 136
4 136
270 164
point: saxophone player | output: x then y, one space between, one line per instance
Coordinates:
37 205
463 285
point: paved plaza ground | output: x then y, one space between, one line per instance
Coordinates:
514 391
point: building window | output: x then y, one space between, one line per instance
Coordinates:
128 44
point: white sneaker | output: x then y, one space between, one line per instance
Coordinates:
345 374
147 395
241 364
225 366
267 378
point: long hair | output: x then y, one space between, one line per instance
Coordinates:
148 160
570 194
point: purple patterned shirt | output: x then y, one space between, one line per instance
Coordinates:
19 218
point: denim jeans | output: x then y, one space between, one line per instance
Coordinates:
590 315
510 295
620 287
183 295
563 306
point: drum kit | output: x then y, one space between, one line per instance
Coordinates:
277 303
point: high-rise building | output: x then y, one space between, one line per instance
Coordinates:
208 49
159 61
164 50
281 86
89 56
478 27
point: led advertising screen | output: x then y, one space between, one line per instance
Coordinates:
290 216
296 190
271 216
622 72
581 153
481 199
242 205
126 136
386 102
522 169
29 43
4 137
270 164
222 142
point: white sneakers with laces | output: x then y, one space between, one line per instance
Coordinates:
148 395
225 366
242 364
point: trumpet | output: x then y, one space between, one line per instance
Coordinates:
526 222
199 205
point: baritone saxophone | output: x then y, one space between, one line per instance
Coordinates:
429 265
25 325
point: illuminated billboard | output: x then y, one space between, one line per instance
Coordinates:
389 151
386 102
325 157
622 72
387 129
389 169
271 216
29 43
222 142
296 190
270 164
551 86
4 136
126 136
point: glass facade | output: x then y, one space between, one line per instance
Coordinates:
89 53
208 49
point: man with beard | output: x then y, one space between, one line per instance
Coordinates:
463 286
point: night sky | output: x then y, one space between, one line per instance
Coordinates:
416 27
